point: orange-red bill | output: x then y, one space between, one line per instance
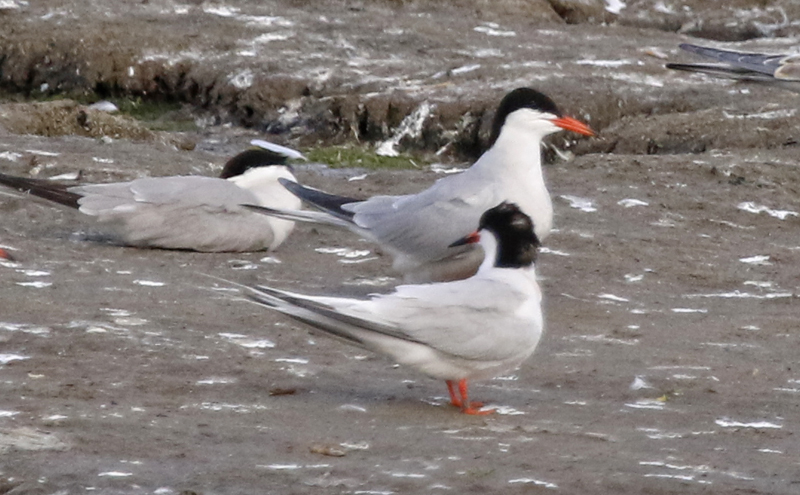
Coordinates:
5 255
468 239
573 125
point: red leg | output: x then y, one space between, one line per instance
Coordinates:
454 400
468 407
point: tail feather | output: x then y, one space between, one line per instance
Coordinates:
324 317
329 203
277 300
42 188
269 298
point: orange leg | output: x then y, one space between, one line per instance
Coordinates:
466 406
454 400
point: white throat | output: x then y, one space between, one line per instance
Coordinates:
520 139
263 182
489 244
515 158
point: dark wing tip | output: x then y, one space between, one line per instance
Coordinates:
329 203
685 67
46 189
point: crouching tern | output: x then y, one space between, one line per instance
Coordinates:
469 329
187 212
418 228
777 70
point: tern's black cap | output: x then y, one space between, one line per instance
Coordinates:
252 158
516 241
518 99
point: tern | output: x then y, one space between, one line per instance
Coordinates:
470 329
186 212
418 228
777 70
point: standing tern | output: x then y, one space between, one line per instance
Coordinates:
469 329
186 212
418 228
777 70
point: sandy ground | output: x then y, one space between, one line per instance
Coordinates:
668 364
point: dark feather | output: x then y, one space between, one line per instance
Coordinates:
745 62
713 69
782 71
42 188
329 203
258 297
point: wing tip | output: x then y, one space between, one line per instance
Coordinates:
55 192
326 202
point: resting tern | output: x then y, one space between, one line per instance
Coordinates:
418 228
777 70
469 329
186 212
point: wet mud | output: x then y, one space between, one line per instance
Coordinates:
668 363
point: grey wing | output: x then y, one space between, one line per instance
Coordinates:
477 320
121 197
191 191
98 198
198 213
474 319
423 225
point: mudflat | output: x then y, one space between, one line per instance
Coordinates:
669 359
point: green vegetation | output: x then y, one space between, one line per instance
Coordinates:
361 157
156 115
144 109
